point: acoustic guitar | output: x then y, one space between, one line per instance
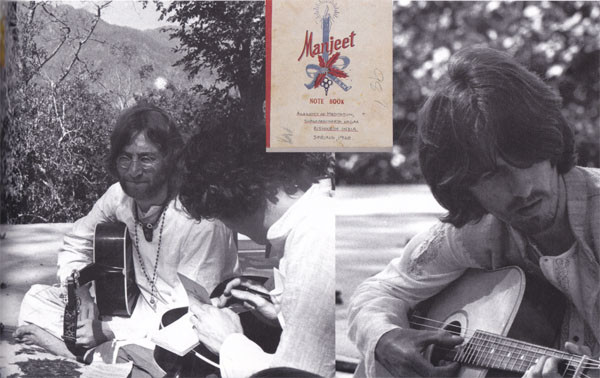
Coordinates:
506 325
113 272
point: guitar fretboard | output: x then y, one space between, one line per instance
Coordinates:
496 352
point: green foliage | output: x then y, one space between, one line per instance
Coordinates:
56 136
55 139
557 40
227 38
185 106
57 142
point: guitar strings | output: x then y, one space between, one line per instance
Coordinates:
472 332
524 346
590 363
474 354
478 351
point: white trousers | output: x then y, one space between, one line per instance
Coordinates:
44 307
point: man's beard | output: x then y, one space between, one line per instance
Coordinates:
145 191
536 223
533 225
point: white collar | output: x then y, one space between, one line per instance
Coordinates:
279 231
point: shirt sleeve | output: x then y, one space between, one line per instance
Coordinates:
308 338
77 249
209 254
308 301
241 357
429 262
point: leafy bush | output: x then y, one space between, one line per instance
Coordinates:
557 40
55 156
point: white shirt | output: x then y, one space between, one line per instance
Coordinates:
204 251
304 238
437 257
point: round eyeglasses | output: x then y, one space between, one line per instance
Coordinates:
146 161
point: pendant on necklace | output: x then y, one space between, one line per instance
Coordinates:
152 301
147 228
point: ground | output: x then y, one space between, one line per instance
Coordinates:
28 256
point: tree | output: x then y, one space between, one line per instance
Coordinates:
557 40
229 39
55 137
185 106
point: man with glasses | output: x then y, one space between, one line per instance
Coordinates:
144 155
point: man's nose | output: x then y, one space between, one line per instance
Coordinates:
135 169
521 183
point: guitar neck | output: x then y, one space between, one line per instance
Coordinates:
492 351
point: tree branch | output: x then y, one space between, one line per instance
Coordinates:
62 42
84 41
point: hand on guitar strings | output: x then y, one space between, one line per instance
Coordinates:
213 325
547 367
254 297
400 352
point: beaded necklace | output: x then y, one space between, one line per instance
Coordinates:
152 281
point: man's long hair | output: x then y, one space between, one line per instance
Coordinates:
228 173
159 128
488 106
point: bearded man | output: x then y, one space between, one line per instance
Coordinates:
144 155
498 154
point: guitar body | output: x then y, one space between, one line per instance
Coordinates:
116 292
113 273
484 301
498 302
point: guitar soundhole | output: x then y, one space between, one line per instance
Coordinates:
440 356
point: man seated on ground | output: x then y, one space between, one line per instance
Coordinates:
145 146
498 154
274 199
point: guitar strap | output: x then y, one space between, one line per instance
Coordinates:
70 318
79 278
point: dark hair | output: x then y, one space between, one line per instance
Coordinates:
158 127
487 106
228 173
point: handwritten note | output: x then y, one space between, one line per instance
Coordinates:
329 75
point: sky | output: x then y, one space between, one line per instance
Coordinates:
125 13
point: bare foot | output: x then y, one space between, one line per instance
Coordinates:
32 334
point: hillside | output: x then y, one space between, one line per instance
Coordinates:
127 60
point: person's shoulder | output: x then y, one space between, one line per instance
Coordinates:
182 216
470 233
315 217
317 206
583 182
113 197
115 191
487 231
591 175
476 241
